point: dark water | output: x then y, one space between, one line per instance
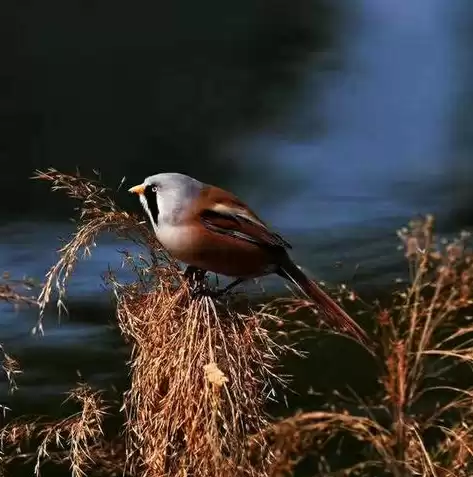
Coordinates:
337 123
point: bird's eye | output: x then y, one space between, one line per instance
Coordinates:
155 189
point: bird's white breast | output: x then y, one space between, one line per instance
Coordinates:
177 239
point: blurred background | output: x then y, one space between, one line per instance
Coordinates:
336 121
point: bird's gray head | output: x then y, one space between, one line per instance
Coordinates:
166 196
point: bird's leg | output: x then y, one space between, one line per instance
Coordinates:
223 291
231 286
194 273
195 277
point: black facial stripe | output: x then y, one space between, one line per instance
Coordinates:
152 201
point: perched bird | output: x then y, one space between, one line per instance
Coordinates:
210 229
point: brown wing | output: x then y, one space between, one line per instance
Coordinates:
224 213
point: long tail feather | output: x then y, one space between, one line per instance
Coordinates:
332 313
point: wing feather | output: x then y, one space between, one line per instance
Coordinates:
238 223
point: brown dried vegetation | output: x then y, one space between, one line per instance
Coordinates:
421 420
201 373
17 292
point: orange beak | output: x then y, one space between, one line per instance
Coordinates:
138 189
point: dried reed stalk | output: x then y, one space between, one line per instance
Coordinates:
75 440
98 213
17 292
200 378
425 335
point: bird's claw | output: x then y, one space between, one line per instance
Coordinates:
199 292
199 287
193 274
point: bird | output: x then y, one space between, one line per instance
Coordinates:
211 230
